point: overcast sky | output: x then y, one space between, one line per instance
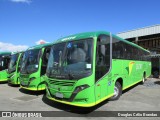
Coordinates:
24 23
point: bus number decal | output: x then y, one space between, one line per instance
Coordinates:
138 66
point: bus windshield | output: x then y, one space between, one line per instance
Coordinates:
71 60
1 63
4 62
12 64
30 61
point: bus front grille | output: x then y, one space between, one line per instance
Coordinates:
61 83
24 76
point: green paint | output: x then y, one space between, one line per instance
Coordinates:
62 87
33 68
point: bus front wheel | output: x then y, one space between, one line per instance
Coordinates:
117 91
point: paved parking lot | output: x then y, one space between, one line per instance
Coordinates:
144 97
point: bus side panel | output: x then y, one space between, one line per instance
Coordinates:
42 82
101 88
148 69
137 71
120 69
140 68
3 75
134 72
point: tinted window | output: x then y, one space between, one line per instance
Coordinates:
102 56
4 62
122 50
117 49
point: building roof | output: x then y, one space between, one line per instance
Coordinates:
154 56
150 30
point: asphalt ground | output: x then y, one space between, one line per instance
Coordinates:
140 97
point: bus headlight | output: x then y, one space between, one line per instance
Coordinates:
80 88
77 90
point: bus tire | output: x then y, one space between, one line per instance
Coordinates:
117 91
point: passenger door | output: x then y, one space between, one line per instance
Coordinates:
103 63
45 57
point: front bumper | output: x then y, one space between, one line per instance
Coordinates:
79 99
32 89
33 85
13 82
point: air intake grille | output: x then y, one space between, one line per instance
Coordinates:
62 83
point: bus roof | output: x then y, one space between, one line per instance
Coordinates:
40 46
91 35
5 53
17 52
81 36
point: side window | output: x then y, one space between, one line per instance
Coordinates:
117 49
45 60
140 55
130 52
5 62
45 56
102 56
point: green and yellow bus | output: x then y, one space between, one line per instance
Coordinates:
14 68
4 60
33 67
88 68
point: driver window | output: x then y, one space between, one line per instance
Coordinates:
102 56
5 62
45 60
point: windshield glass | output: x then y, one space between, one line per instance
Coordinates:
71 60
30 61
12 64
1 63
4 60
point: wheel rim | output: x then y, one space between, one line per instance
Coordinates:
116 91
143 79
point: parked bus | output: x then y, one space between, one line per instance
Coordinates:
4 60
33 68
14 68
88 68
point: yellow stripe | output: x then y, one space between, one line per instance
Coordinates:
81 105
102 99
33 89
131 85
14 83
3 80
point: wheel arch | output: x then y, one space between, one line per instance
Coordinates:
120 80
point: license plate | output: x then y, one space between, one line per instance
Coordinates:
59 95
